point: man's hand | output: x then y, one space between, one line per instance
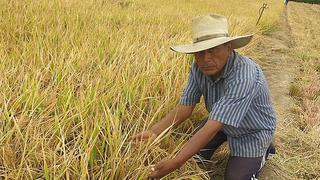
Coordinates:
164 167
194 144
145 135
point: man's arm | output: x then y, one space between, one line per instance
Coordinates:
193 146
198 141
176 116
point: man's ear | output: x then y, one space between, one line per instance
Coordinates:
229 47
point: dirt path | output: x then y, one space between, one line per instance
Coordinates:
279 68
297 32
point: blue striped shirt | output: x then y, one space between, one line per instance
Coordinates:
240 100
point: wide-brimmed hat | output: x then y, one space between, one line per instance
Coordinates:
209 31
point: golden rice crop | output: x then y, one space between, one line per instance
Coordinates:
78 78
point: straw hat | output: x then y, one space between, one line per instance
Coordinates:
210 31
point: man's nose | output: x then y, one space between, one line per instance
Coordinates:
207 57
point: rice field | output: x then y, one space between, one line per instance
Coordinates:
78 78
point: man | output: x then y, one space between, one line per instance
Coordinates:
236 97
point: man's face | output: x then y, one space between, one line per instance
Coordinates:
212 61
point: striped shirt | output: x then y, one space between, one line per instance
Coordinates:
240 100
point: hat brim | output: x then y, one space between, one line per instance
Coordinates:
236 42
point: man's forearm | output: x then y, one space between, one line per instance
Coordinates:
198 141
176 116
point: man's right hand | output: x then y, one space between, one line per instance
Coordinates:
145 135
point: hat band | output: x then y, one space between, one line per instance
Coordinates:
207 37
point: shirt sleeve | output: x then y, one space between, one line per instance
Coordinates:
239 94
191 94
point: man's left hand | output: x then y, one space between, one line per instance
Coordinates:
164 167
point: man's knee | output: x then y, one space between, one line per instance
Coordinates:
239 168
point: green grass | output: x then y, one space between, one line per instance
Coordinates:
308 1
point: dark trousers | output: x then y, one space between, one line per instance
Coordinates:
238 168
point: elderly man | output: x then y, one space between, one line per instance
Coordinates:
236 97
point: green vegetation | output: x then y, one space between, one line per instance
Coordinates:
308 1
